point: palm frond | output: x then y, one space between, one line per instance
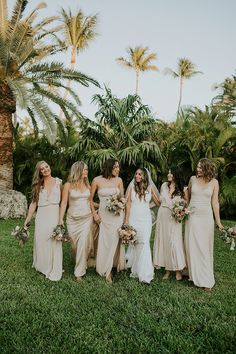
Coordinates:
17 12
124 62
229 190
44 114
20 91
33 120
3 18
168 71
226 135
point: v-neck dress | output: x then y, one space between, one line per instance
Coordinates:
199 236
47 254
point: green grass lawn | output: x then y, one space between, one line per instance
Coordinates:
39 316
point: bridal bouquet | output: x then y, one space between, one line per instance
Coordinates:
228 235
116 204
179 209
21 234
59 234
127 234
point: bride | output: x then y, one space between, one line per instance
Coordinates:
138 214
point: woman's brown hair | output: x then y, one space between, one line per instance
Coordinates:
141 187
208 169
108 167
37 182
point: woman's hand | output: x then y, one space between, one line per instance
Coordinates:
96 218
220 226
61 222
26 223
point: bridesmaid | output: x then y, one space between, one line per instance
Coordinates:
168 250
138 215
199 231
46 196
110 252
76 193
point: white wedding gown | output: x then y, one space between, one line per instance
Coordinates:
139 255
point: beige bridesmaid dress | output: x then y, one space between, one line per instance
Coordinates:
79 222
110 253
199 236
168 249
47 253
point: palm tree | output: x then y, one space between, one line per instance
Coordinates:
205 133
226 99
25 74
123 130
78 31
139 60
185 70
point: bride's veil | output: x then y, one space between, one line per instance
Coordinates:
152 184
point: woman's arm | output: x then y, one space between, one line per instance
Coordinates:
215 204
155 198
127 207
32 208
93 190
121 187
188 194
64 202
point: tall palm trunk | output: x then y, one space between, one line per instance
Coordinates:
180 92
137 81
7 107
72 66
6 151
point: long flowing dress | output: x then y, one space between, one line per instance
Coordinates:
80 228
168 249
139 255
110 252
47 254
199 236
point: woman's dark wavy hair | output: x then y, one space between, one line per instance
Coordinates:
141 187
177 173
208 169
108 167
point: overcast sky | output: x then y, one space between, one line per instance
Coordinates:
201 30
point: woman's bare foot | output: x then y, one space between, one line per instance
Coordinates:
79 278
178 275
109 278
207 289
166 275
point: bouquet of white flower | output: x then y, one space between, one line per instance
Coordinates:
59 234
228 235
180 211
127 234
21 233
116 204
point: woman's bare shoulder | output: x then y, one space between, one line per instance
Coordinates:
97 179
119 179
215 182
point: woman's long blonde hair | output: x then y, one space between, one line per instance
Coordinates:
76 173
37 182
